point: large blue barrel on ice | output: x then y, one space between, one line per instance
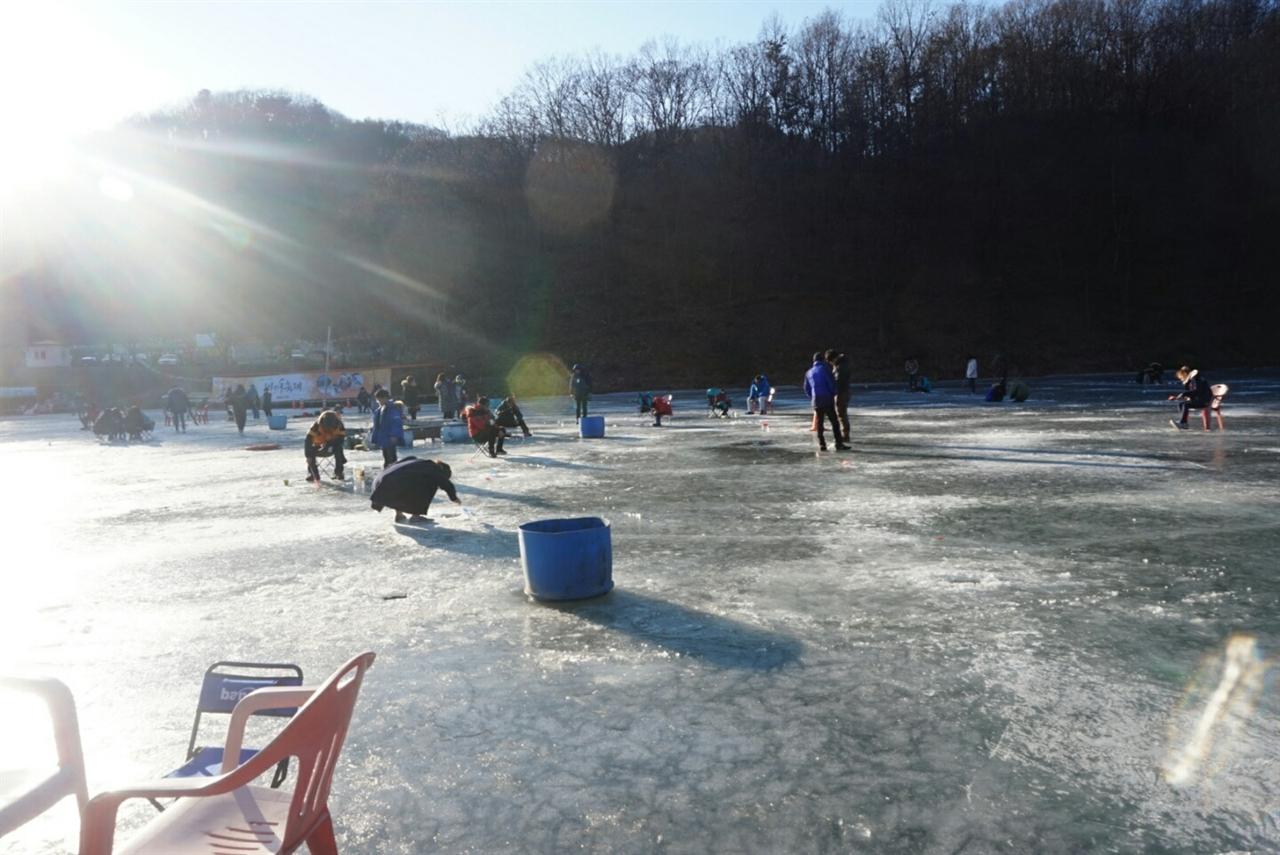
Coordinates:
591 427
566 559
454 432
277 421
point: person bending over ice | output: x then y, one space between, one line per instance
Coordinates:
324 439
718 402
409 486
509 416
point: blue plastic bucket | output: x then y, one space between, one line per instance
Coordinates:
454 432
566 559
591 427
277 422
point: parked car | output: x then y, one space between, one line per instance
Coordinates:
167 359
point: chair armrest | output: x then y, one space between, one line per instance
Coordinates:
98 819
66 726
272 697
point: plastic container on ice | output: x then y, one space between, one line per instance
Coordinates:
277 421
591 427
454 432
569 559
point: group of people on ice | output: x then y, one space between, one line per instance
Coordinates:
826 384
408 485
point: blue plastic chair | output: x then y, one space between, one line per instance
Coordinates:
225 683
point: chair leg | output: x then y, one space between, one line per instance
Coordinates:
322 841
1218 413
1204 416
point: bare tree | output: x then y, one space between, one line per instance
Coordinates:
906 27
824 64
602 100
672 86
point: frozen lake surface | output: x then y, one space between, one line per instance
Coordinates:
990 628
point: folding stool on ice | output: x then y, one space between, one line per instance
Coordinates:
224 685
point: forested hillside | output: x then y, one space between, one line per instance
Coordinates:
1079 184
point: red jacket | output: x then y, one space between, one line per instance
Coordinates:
478 419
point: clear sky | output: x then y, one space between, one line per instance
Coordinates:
71 65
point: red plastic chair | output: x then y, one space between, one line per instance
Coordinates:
228 814
27 793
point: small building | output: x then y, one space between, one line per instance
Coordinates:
47 354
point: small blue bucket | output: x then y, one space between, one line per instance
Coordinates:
277 422
566 559
591 427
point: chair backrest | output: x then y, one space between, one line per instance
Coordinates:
1219 391
315 736
225 683
68 779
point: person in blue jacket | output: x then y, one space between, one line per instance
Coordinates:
820 386
580 389
388 427
758 395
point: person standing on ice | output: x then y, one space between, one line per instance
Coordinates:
839 363
460 396
266 402
238 401
580 389
325 438
388 427
445 393
758 395
255 402
1195 395
410 485
409 394
971 374
177 403
820 386
912 367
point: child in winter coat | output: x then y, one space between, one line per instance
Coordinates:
388 427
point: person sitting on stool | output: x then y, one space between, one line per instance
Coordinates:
325 437
482 428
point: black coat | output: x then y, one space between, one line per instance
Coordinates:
409 486
841 372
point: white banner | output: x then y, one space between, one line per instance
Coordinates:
307 385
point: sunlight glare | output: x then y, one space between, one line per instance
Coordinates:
58 78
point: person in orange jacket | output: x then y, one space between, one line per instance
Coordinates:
325 438
483 428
